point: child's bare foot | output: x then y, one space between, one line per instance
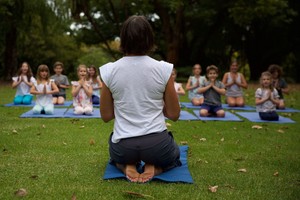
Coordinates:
149 172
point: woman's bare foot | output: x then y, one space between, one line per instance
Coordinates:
149 172
130 172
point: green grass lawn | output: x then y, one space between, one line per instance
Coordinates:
59 158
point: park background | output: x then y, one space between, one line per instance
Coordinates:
256 33
66 158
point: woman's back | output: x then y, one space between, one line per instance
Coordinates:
137 84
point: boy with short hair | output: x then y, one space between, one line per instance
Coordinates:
212 91
62 83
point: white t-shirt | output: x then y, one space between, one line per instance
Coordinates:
96 92
268 105
23 88
43 99
177 86
137 84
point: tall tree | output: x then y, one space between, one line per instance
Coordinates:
11 13
35 32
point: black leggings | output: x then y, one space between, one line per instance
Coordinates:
159 149
270 116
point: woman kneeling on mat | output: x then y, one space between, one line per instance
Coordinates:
138 92
267 98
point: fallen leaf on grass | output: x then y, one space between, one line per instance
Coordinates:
202 139
222 139
43 126
14 131
280 131
21 192
73 196
256 127
73 121
229 186
213 188
276 173
202 161
34 176
183 142
82 126
92 142
239 159
64 143
242 170
135 194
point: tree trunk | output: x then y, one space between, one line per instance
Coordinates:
10 53
172 32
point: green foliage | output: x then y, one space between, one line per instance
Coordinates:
186 32
276 11
94 56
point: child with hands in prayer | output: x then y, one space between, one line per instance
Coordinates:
82 92
212 91
43 88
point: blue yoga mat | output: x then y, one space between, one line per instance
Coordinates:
189 105
254 117
70 114
19 105
288 110
66 103
228 117
58 113
185 115
246 107
177 174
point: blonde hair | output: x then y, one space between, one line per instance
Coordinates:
40 69
267 74
82 66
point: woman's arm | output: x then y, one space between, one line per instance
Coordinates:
224 80
99 84
243 83
107 104
189 85
171 108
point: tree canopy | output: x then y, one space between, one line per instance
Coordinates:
257 33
